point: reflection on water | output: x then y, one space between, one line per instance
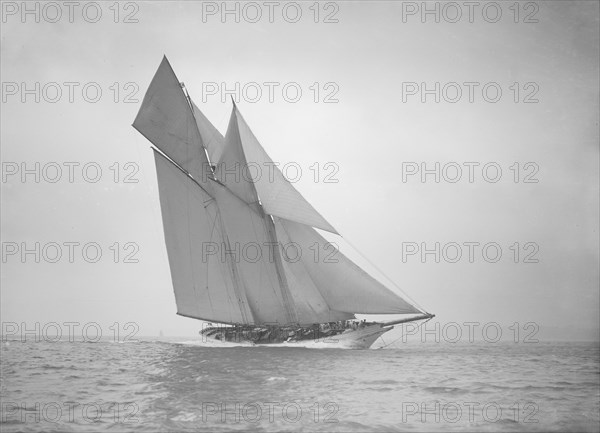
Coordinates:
152 386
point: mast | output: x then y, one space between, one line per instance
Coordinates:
191 106
245 308
288 302
233 157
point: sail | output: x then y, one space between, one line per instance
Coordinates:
310 305
243 249
252 250
278 196
212 139
205 284
251 229
165 118
344 286
231 169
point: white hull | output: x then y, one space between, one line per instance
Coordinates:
361 338
351 339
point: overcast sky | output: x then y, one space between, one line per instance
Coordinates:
373 134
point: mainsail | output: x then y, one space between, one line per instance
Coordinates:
242 249
206 286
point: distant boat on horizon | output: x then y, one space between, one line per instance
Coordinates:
208 215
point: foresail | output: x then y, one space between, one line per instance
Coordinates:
252 231
278 197
205 284
165 118
343 285
252 250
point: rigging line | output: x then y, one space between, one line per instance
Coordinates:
223 269
402 335
290 306
245 307
310 277
249 205
191 106
189 230
274 284
157 214
168 158
385 275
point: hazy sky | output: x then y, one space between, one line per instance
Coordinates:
371 134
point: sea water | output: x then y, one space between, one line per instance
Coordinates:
152 386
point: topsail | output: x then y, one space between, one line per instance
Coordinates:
228 237
166 120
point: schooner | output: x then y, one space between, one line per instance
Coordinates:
209 216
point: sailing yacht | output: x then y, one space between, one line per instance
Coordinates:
212 216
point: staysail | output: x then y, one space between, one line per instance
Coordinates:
310 304
244 250
343 285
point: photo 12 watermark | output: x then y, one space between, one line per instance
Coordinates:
65 413
70 92
469 172
271 91
68 172
490 92
452 12
287 412
253 12
469 332
70 252
61 12
471 252
272 172
55 332
453 412
269 252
